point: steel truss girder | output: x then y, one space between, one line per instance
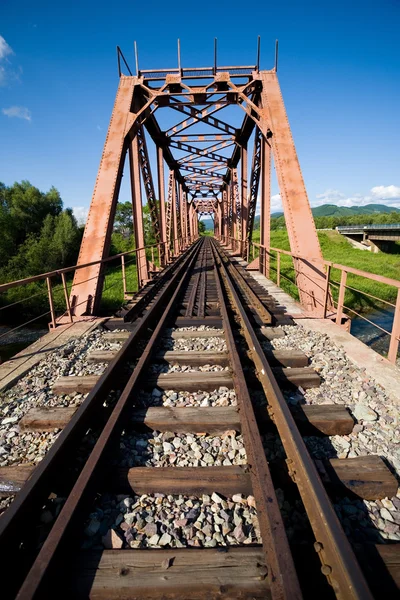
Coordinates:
135 106
236 206
148 183
168 212
203 116
254 183
202 152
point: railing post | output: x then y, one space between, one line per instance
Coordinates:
395 335
326 293
159 254
278 269
342 291
138 268
123 275
66 296
152 254
51 302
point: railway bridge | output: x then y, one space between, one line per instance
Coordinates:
216 438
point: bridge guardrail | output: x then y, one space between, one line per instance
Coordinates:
152 252
268 255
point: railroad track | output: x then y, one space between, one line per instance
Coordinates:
130 523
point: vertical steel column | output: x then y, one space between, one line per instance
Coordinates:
161 196
225 216
300 224
182 214
191 224
220 209
265 216
174 217
244 199
141 260
236 209
88 282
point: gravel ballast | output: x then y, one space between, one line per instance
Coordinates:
166 521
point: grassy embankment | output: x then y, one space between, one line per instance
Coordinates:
338 250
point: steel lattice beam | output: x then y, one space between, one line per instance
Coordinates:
148 183
254 184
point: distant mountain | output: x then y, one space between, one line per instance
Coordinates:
331 210
328 210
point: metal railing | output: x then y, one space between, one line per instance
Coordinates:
161 253
334 291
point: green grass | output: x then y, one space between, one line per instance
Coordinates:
336 249
113 293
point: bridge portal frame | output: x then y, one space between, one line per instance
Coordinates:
215 88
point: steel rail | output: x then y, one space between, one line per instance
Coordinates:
15 522
34 585
250 295
282 574
201 308
339 563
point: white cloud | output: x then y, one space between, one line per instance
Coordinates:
381 194
6 73
20 112
5 49
80 214
386 191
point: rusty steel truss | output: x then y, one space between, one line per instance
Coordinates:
208 173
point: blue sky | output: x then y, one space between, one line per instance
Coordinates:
339 69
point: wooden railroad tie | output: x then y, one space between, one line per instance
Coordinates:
305 377
366 477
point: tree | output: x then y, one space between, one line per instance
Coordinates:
123 222
28 207
202 227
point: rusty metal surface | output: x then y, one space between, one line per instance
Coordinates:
282 574
298 217
337 557
34 584
14 524
96 240
206 168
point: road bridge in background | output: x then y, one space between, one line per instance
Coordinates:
375 238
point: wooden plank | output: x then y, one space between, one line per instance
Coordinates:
390 555
198 321
326 419
270 333
329 419
101 356
116 336
116 323
206 574
312 420
190 420
191 481
192 381
205 357
381 565
46 419
75 384
13 478
178 335
305 377
366 477
286 358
